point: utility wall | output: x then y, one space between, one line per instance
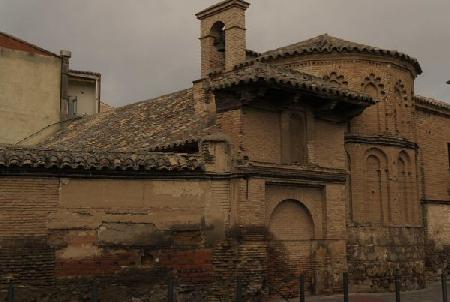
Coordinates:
29 93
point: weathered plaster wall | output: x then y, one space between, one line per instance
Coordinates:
30 93
86 93
105 225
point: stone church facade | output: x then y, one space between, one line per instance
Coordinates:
316 158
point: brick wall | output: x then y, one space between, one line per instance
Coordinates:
25 205
379 194
231 122
374 253
262 131
433 135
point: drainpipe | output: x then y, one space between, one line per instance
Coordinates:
99 92
64 100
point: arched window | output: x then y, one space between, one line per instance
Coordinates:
217 31
374 116
404 189
297 138
336 79
376 188
373 193
371 90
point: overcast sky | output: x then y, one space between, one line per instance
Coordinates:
145 48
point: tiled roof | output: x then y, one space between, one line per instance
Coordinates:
328 44
432 103
85 73
11 42
149 125
105 106
34 158
298 80
170 122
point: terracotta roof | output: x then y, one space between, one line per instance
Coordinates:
11 42
105 106
252 53
298 80
328 44
148 125
18 157
431 103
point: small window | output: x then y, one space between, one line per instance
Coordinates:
73 106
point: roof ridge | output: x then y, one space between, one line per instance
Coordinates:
325 43
85 72
87 161
255 71
29 44
432 101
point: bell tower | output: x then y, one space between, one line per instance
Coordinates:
223 40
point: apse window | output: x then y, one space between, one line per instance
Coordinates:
448 153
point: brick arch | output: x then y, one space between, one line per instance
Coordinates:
217 49
375 82
336 78
291 229
291 220
376 187
374 117
404 206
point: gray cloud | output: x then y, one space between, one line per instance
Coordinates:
145 48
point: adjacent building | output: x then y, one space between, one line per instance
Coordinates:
39 92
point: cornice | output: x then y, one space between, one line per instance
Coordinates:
380 140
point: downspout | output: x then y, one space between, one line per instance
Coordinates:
99 91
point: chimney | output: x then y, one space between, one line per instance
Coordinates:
64 101
223 40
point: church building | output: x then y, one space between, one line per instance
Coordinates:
313 159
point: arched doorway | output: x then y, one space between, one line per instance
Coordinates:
291 231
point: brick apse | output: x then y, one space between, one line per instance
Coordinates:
315 158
